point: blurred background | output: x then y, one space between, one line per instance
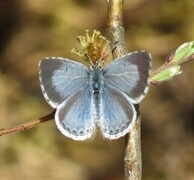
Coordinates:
31 30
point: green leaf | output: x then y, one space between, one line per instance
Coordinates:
183 51
166 74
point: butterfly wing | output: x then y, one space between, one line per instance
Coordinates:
125 83
74 117
118 113
59 78
130 75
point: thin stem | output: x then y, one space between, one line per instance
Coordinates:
115 27
133 163
28 125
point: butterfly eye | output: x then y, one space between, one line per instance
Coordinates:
92 67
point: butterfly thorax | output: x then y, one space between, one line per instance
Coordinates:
96 79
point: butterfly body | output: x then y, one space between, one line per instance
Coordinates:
85 98
96 81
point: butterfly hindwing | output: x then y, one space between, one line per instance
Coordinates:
60 78
129 74
74 117
118 113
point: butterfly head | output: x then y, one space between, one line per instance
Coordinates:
93 49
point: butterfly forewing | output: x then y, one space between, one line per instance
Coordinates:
130 74
60 78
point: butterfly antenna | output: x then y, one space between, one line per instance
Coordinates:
114 47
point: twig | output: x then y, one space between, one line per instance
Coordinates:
28 125
167 65
115 28
133 163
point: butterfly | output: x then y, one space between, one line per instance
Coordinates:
85 98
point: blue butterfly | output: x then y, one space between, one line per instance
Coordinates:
85 98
